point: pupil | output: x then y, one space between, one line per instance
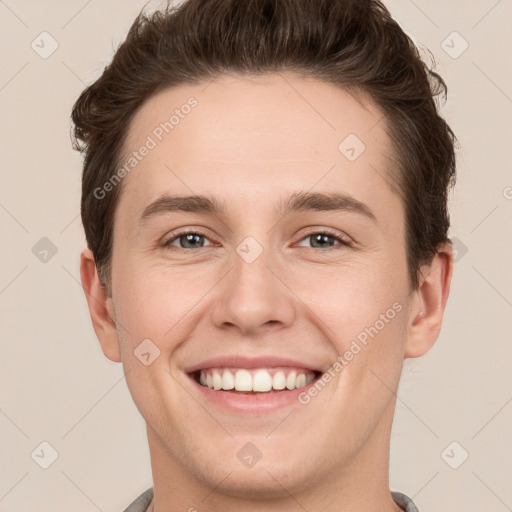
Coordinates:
190 238
321 238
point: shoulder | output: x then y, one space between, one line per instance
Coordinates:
142 502
404 501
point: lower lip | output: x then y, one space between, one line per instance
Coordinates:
252 403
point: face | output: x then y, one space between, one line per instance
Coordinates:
294 263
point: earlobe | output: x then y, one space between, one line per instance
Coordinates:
430 302
100 306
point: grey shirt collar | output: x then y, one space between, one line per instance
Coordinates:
143 501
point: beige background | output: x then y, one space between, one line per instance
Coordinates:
56 385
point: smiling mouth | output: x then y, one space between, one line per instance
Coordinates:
254 381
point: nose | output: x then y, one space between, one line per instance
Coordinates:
254 296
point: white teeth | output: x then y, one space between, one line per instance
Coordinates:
243 380
260 380
228 381
291 380
279 380
301 381
217 380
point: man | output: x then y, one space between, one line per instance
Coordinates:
264 201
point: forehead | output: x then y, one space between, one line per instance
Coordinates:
254 135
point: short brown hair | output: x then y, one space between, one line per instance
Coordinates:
354 44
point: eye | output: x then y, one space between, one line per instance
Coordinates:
319 240
322 239
186 240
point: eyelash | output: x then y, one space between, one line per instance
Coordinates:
342 242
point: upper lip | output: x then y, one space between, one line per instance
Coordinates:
238 361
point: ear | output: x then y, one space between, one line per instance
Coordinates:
429 304
101 307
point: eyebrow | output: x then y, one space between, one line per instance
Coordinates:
296 202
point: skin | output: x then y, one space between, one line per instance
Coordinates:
250 142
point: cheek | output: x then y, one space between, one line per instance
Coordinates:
157 302
354 299
364 316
